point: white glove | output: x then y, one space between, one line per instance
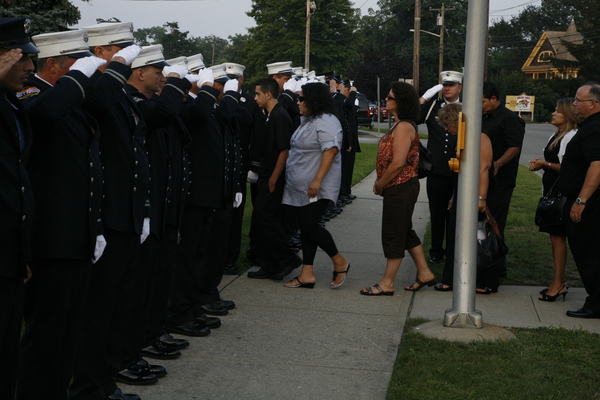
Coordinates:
177 69
99 249
432 92
129 53
237 201
206 75
87 65
232 84
192 78
290 85
145 230
252 177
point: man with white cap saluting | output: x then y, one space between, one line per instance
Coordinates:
65 170
125 214
16 196
440 183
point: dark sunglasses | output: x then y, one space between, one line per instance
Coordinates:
301 98
390 98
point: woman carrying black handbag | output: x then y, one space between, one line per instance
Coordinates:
566 122
488 276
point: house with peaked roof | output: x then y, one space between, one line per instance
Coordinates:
551 45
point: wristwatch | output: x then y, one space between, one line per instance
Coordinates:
579 201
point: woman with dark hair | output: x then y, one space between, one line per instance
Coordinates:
398 183
566 121
312 179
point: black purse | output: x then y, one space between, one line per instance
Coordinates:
550 208
491 249
425 161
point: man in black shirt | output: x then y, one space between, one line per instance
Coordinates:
277 258
506 131
579 181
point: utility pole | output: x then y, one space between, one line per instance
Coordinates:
417 44
440 23
311 7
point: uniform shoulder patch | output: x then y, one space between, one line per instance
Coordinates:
28 92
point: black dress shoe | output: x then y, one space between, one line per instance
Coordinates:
135 375
119 395
351 197
582 313
292 265
157 370
190 328
260 274
173 343
214 309
226 304
209 322
160 351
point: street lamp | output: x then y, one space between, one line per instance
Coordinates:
311 7
441 36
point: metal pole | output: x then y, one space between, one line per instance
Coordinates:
416 45
442 43
378 101
463 313
307 48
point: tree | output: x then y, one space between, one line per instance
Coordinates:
177 43
279 35
45 15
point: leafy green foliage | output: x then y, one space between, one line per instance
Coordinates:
45 15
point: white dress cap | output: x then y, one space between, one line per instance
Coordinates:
69 43
451 77
109 33
299 72
283 67
196 62
180 61
219 73
234 70
321 78
311 75
150 55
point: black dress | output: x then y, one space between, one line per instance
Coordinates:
548 179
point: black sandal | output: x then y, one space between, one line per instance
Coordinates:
336 273
420 285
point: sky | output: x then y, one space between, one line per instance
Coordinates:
222 18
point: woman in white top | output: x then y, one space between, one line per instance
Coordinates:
312 179
566 122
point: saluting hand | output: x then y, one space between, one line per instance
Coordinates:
8 59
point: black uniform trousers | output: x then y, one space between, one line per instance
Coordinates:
11 317
201 262
275 251
584 238
348 159
142 288
107 324
158 301
235 231
439 193
54 306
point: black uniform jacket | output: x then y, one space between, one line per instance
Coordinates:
159 112
351 115
441 143
207 152
64 167
123 155
16 196
288 100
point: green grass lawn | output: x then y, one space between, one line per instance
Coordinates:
542 363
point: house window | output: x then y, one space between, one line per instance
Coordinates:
545 56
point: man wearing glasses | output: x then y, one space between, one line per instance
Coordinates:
579 181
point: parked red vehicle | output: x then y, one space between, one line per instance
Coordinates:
384 113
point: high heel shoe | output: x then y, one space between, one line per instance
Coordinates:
565 285
545 296
308 285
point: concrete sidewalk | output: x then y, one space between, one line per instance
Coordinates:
332 344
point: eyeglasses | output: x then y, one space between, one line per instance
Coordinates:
300 99
579 100
390 98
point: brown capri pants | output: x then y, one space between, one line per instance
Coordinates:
397 234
